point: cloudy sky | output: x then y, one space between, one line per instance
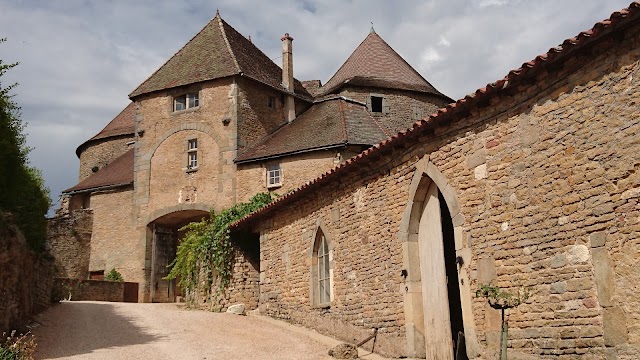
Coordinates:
79 59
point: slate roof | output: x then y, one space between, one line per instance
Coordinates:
122 124
329 123
375 63
119 172
217 51
462 107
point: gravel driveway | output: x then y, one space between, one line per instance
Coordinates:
101 330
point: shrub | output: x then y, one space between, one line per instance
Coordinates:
22 190
17 347
114 275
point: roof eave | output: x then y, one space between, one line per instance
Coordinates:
281 155
95 188
85 144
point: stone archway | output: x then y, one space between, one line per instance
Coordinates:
427 318
162 241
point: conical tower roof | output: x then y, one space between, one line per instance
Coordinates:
217 51
123 124
375 63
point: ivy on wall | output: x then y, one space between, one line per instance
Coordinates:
205 256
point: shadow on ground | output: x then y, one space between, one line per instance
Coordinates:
75 328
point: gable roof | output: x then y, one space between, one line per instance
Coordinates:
375 63
461 108
119 172
122 124
329 123
217 51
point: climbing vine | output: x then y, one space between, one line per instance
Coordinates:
205 255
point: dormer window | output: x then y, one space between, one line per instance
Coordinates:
186 101
376 104
192 154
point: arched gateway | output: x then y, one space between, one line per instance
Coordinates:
163 238
439 318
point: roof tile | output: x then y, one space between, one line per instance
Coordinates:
117 172
122 124
331 122
375 63
217 51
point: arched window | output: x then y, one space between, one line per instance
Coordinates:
321 272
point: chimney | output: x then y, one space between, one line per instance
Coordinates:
287 76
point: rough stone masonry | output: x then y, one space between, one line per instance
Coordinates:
541 180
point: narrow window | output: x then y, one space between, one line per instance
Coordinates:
192 154
320 271
324 280
271 102
417 112
376 104
274 175
186 101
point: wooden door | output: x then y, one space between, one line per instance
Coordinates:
435 301
164 252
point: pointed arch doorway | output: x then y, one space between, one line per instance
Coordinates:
443 325
437 297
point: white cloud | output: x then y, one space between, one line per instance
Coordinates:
430 56
487 3
444 42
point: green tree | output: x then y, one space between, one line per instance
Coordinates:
22 190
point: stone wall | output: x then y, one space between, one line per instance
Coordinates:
296 170
404 107
256 119
114 244
542 185
170 183
69 242
102 152
243 287
88 290
26 278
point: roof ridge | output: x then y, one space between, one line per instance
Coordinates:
171 57
384 130
226 41
375 63
404 61
346 61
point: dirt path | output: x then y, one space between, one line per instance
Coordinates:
98 330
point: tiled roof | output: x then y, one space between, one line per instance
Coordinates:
461 108
332 122
122 124
116 173
217 51
375 63
312 86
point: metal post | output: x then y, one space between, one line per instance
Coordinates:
503 340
